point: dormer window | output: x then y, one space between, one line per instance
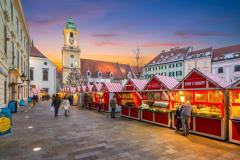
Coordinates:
99 74
129 75
220 57
88 73
111 75
153 62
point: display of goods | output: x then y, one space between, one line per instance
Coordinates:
160 104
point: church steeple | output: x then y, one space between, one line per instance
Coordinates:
71 34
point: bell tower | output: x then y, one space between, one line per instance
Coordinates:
70 50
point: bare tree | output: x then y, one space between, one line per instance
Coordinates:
138 57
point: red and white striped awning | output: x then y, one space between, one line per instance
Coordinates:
83 88
98 86
139 83
169 82
113 87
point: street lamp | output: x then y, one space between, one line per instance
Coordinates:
23 77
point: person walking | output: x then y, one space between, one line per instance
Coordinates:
56 103
66 106
186 117
99 103
113 104
178 118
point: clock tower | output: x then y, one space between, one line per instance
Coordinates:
70 50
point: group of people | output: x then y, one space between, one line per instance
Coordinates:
57 103
183 117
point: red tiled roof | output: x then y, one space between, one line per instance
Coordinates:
202 52
34 52
225 50
172 55
119 71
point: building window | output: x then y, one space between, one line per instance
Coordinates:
170 66
13 56
220 69
17 22
45 74
176 64
5 39
99 74
31 74
45 63
88 73
11 7
171 74
179 73
237 68
5 92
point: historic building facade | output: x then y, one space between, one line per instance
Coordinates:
70 51
42 73
167 63
200 59
14 52
226 62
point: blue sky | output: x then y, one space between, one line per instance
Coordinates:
111 29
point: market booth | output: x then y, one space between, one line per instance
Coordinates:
108 90
97 95
206 93
234 108
157 100
131 98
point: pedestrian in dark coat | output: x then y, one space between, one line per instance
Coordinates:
113 104
178 118
56 103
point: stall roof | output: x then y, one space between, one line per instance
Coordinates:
212 78
97 86
89 87
168 82
234 84
138 84
83 88
112 87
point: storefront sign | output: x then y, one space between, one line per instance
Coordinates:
5 121
195 84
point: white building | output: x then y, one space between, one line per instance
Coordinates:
200 59
226 62
14 52
42 72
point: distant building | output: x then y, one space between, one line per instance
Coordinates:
226 62
14 52
167 63
200 59
94 71
43 72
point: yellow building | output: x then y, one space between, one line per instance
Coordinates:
70 51
14 52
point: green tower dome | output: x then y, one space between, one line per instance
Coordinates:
70 24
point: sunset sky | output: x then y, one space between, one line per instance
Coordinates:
111 29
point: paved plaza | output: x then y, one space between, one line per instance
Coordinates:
88 135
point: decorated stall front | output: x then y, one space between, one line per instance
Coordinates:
97 95
234 108
108 90
157 100
131 98
207 96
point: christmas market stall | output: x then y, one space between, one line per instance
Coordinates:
131 98
207 96
97 95
234 108
157 100
108 90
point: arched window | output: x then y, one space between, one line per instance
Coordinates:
99 74
71 34
111 75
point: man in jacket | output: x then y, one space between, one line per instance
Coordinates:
56 103
113 104
186 117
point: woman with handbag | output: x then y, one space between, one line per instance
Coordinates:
66 106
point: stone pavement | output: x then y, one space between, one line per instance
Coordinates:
88 135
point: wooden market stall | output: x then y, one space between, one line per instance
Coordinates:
234 109
131 98
97 95
157 100
108 90
207 96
